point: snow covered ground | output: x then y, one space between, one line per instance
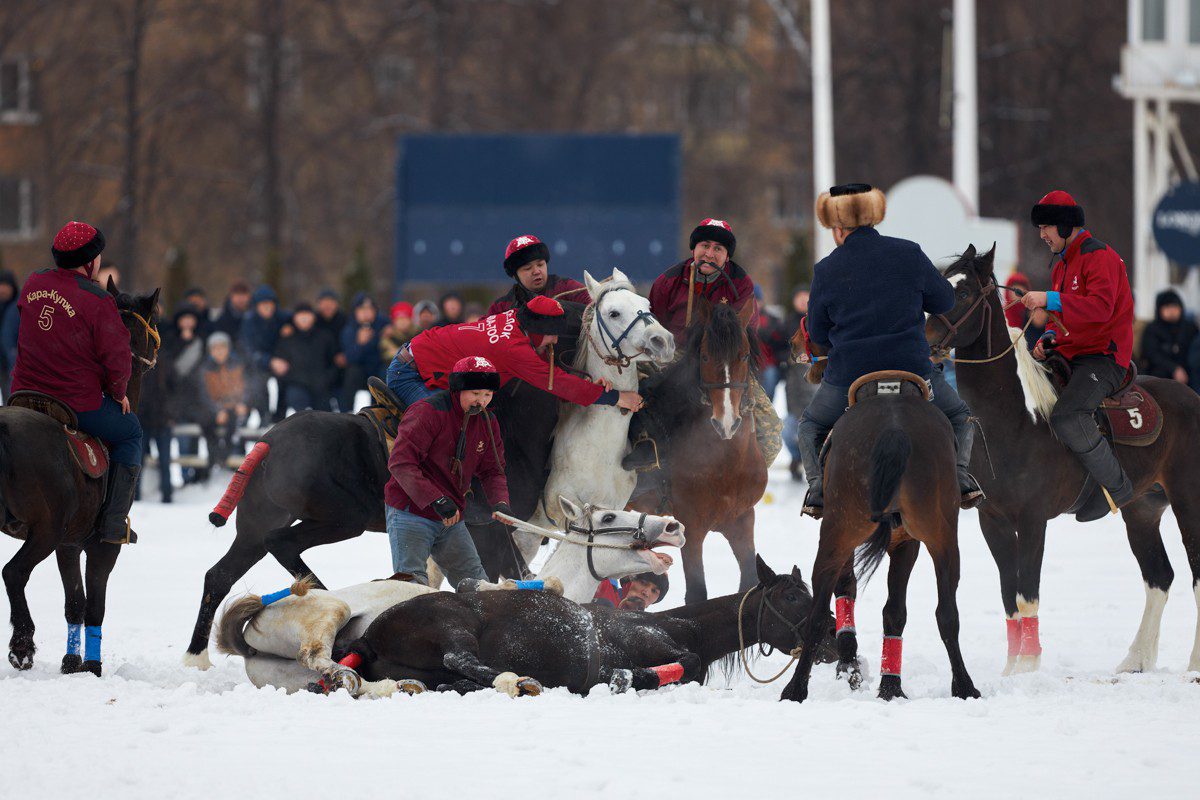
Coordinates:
151 728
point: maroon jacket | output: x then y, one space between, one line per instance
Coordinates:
71 343
421 458
556 287
669 295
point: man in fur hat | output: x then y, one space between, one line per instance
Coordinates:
527 262
868 304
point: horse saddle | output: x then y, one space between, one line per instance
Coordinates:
385 413
1129 416
88 452
889 382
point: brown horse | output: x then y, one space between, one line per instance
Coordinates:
1032 478
891 485
46 500
716 472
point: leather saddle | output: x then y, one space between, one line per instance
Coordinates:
385 413
1129 416
889 383
88 452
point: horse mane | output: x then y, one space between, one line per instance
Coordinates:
1040 396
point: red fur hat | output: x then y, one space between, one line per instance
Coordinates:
1057 208
474 372
521 251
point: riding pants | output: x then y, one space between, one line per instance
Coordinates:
830 402
1093 378
406 382
121 432
414 539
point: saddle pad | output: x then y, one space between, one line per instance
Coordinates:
1134 417
89 453
889 382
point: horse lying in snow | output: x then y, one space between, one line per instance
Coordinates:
520 642
290 641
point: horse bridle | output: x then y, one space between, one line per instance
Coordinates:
616 356
953 327
151 336
640 540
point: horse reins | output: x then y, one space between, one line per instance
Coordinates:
765 650
953 327
151 336
639 537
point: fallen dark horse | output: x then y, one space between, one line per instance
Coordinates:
518 642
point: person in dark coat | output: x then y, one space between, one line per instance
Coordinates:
224 391
235 309
8 299
155 412
451 310
305 359
527 262
1167 340
258 337
868 305
360 343
799 392
184 349
332 320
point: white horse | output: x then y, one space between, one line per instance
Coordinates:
289 642
589 441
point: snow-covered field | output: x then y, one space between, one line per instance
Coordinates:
151 728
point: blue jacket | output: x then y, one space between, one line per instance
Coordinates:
259 336
366 355
868 304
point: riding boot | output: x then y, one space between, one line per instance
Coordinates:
114 525
1103 471
814 499
970 492
643 453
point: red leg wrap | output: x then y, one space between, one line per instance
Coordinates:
844 606
1014 637
353 661
892 649
668 673
237 484
1031 643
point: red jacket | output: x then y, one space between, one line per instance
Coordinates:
71 343
1090 283
420 463
499 339
669 295
556 287
609 593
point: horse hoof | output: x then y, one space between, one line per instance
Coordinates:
20 661
71 663
92 667
851 673
968 692
528 687
410 686
199 661
889 688
794 692
620 681
344 678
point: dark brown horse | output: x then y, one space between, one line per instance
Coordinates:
891 485
49 502
716 472
1032 478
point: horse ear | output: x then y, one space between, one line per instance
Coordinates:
572 511
969 253
745 314
112 286
619 277
150 303
765 573
593 286
797 574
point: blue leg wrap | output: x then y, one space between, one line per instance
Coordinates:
535 586
74 632
273 597
91 646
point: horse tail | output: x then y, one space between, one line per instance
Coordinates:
889 459
231 633
237 484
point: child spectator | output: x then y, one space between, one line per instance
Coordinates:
224 390
399 333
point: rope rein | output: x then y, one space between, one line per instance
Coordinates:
794 652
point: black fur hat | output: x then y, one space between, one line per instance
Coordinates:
545 316
474 372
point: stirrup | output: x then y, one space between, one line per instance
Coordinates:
970 492
632 464
129 538
811 509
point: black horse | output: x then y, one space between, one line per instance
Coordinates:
1032 478
470 641
322 482
46 500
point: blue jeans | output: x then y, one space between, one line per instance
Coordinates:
162 440
121 432
769 378
405 381
414 539
791 436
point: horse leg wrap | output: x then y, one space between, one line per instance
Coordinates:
74 631
1014 637
668 673
892 649
1031 643
844 607
533 586
275 597
91 649
237 485
349 664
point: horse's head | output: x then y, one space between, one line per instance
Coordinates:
622 327
719 335
139 313
806 351
781 611
974 283
635 534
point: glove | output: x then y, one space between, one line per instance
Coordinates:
1049 340
502 508
444 507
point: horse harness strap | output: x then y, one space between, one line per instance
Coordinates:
765 650
639 536
152 335
616 356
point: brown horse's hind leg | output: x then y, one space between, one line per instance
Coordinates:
838 540
849 668
946 566
895 616
36 548
101 558
72 580
1141 527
